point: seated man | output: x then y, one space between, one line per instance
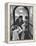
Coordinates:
19 22
18 29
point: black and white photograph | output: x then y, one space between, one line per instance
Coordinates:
21 22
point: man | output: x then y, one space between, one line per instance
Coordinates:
19 22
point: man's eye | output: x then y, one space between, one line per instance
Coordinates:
26 17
